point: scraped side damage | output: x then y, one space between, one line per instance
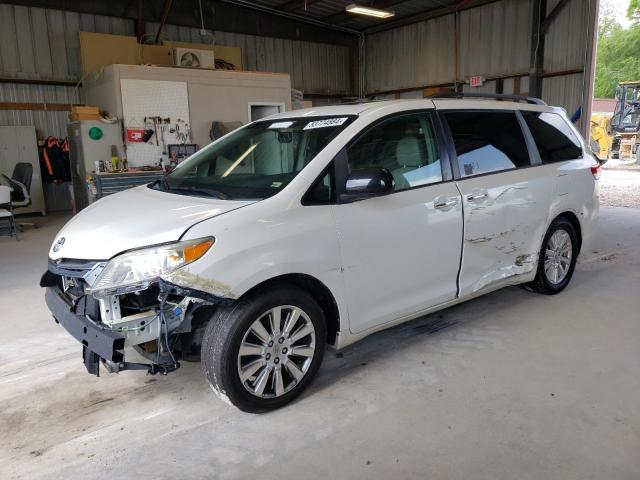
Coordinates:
523 264
184 278
504 222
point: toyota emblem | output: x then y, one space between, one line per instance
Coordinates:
58 245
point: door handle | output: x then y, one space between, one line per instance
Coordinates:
445 203
477 196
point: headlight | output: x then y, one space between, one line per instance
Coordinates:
137 269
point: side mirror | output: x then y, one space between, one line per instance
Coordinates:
367 183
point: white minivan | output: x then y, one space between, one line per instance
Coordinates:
319 227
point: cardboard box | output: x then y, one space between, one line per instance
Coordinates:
85 110
82 112
427 92
156 54
76 117
98 50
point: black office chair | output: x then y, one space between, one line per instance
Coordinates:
21 183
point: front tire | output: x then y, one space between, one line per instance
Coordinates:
261 352
557 260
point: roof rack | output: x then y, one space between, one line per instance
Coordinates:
495 96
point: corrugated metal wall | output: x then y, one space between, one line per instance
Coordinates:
565 91
40 44
46 122
494 41
43 44
495 38
564 47
313 67
412 56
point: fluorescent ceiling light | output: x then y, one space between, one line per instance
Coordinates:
370 12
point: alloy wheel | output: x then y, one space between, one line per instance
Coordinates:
276 351
557 256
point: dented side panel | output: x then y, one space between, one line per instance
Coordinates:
505 217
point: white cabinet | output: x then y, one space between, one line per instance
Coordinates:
19 144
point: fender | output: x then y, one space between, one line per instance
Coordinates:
265 240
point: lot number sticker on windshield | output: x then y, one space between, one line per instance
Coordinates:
329 122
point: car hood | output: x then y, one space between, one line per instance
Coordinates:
134 218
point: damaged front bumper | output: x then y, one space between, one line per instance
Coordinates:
103 342
157 325
100 344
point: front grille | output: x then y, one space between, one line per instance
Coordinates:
76 273
72 267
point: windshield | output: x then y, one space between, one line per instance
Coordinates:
254 162
627 112
632 118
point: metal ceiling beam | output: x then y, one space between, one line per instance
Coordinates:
292 5
219 15
540 23
344 15
140 30
163 19
539 8
553 14
427 15
290 15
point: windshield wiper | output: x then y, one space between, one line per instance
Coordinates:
210 192
162 183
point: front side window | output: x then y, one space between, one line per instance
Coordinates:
257 161
487 141
553 137
405 145
322 192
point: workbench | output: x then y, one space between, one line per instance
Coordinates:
108 183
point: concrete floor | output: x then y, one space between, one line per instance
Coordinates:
511 385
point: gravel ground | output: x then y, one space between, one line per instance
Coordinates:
620 187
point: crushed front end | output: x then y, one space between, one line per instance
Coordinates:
147 326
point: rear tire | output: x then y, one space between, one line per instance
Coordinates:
260 353
557 258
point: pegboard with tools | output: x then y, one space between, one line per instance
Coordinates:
156 114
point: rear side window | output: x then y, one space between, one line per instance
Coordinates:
487 141
555 140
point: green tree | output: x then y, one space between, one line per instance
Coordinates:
618 55
633 11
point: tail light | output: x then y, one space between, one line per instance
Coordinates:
596 170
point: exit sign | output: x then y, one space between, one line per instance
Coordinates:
476 81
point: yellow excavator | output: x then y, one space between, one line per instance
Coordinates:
625 123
